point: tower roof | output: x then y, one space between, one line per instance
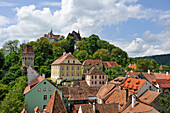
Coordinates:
28 49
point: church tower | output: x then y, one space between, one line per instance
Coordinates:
28 56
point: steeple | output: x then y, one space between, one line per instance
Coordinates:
78 32
51 32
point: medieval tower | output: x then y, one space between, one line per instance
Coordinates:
28 56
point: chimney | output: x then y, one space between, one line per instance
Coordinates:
167 73
64 53
45 110
94 107
133 101
43 75
127 94
149 72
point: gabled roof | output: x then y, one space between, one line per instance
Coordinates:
150 77
160 68
139 108
109 64
64 90
133 66
160 75
33 83
133 74
92 63
100 108
164 83
133 84
148 96
95 71
55 104
62 58
76 35
37 109
118 80
28 49
105 91
24 110
51 35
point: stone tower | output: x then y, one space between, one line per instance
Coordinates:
28 56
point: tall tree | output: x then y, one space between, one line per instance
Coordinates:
81 45
2 59
11 46
102 54
82 55
71 41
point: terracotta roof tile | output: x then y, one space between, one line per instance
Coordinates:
118 80
64 90
28 49
33 83
105 91
150 77
92 63
55 104
160 68
133 84
139 107
24 110
133 66
164 83
95 71
109 64
160 75
37 109
100 108
62 58
133 74
148 96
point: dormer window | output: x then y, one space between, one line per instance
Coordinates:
68 61
73 61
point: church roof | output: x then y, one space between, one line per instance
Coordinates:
28 49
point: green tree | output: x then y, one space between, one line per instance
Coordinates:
165 101
14 100
82 55
11 46
58 51
39 61
92 44
81 45
103 44
2 59
3 91
102 54
71 41
43 70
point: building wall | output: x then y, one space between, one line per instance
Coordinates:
35 98
28 59
96 81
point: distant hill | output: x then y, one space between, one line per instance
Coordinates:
161 59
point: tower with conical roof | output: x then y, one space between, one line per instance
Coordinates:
28 56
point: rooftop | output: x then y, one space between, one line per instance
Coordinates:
95 71
28 49
118 80
92 63
133 66
109 64
164 83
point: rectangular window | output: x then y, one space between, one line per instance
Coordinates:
72 74
49 89
62 67
67 68
72 68
78 68
44 89
78 74
39 89
62 74
45 97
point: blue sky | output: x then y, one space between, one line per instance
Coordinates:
140 27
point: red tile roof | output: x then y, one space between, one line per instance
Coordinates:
55 104
105 91
37 109
24 110
109 64
160 68
33 83
62 58
64 90
57 37
160 75
92 63
149 96
133 74
118 80
164 83
95 71
133 84
133 66
100 108
139 108
150 77
28 49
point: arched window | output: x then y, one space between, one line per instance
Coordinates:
91 77
103 77
95 82
95 77
100 82
99 77
103 82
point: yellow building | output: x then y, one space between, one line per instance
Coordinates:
67 67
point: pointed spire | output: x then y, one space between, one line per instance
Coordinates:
78 32
51 32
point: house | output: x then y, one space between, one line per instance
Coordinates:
95 77
109 64
87 64
78 95
55 104
31 74
51 37
132 66
163 85
105 91
67 67
138 107
28 56
137 86
160 68
118 81
75 35
99 108
38 93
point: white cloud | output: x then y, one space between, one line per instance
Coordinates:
50 4
5 4
3 21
